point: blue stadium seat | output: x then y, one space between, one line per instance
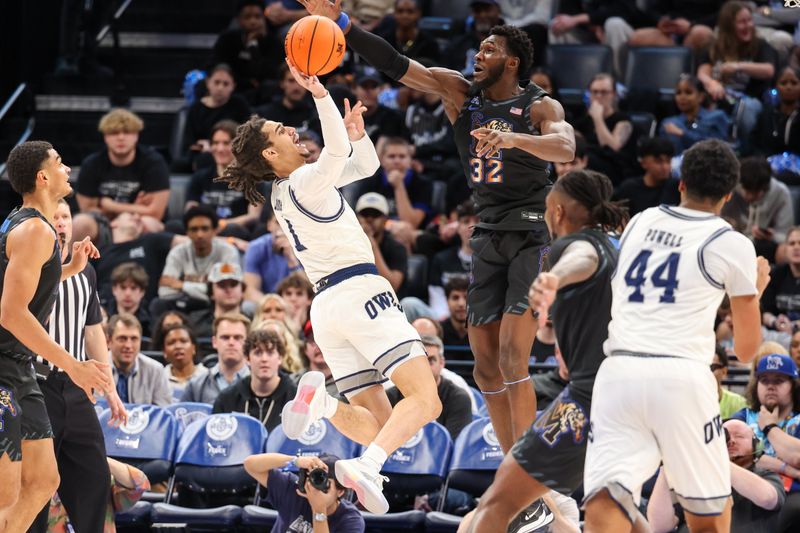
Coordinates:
255 516
321 437
147 441
476 457
209 460
657 68
480 403
187 412
100 405
436 522
136 516
574 65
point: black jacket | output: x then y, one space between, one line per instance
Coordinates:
239 398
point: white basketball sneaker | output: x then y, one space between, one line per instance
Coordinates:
365 481
307 406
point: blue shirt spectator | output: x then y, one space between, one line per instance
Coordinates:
694 123
267 261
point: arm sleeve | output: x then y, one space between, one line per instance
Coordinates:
363 163
730 261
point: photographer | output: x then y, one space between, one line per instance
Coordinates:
310 501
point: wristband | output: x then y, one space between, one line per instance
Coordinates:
343 20
767 429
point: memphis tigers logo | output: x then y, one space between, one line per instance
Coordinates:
565 416
6 404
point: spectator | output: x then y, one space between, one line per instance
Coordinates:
164 322
403 33
226 287
219 104
409 194
268 260
581 160
655 187
291 360
281 14
757 493
292 105
304 508
270 307
379 120
608 131
313 144
253 52
456 403
128 243
738 67
313 360
695 122
794 347
180 352
455 261
729 401
778 129
533 18
230 331
368 13
183 284
431 134
139 379
686 22
236 215
780 303
761 206
264 392
454 327
391 257
460 54
125 177
297 292
129 283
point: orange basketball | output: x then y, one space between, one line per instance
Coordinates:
315 45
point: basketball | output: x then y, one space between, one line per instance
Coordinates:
315 45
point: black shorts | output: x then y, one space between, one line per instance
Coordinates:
553 450
504 264
23 415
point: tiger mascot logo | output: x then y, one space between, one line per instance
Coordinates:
6 404
564 418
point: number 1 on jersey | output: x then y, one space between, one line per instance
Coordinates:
665 276
297 244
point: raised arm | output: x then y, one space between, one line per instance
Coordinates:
556 142
363 162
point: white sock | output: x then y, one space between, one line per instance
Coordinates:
375 456
331 404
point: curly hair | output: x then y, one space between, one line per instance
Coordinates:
249 168
593 191
24 162
519 44
709 170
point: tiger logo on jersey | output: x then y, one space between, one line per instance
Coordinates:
6 404
565 416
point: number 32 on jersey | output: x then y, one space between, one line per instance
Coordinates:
486 170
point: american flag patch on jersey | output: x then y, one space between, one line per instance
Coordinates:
516 111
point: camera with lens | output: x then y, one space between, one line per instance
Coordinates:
318 478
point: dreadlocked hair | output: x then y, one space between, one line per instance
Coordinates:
593 191
248 168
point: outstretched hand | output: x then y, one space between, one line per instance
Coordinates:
491 141
82 251
354 120
323 8
310 83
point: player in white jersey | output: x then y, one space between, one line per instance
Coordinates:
358 322
655 398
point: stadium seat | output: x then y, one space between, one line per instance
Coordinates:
476 457
574 65
321 437
209 460
135 517
416 281
794 190
177 133
255 516
644 124
458 9
436 522
178 188
439 196
187 412
146 441
439 27
478 400
418 467
156 355
657 68
100 405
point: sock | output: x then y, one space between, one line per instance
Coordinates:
331 404
375 456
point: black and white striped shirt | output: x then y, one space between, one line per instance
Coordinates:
76 307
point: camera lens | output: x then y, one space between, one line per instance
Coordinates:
319 479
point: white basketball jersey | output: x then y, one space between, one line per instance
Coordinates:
322 244
675 265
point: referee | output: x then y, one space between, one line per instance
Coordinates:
75 324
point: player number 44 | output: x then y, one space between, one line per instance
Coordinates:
665 276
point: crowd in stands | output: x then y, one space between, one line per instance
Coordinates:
213 306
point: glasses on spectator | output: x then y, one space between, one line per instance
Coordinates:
795 344
716 366
600 92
